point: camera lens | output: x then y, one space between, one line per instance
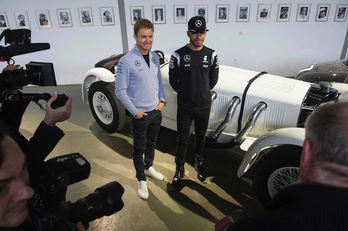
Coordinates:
104 201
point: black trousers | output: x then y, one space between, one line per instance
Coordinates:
185 117
145 132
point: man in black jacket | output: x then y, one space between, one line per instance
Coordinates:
319 201
193 72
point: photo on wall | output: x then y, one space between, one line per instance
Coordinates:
107 16
243 12
137 12
202 11
322 12
43 19
64 18
158 14
284 12
86 16
303 11
341 13
264 12
180 14
222 13
22 19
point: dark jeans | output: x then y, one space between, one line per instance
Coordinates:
200 117
145 132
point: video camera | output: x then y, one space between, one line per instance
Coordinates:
36 73
49 209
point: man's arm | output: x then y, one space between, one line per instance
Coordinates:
214 71
174 71
121 86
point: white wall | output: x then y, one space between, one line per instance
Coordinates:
277 47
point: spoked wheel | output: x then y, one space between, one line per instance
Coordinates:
107 110
278 169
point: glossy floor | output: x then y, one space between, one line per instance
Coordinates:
191 206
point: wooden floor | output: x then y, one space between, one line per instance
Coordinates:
191 206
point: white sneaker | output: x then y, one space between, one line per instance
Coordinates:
142 189
151 172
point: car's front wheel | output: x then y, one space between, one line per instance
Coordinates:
107 110
276 170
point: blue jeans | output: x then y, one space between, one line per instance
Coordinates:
145 132
200 117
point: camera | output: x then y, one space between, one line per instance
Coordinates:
36 73
49 209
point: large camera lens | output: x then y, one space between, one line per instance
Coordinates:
104 201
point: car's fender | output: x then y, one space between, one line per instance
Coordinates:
290 136
94 75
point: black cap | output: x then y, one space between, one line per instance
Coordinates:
197 24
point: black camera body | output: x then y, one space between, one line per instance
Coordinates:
36 73
49 208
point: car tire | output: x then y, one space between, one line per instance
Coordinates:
276 170
107 110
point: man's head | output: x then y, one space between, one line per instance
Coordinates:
325 148
14 183
143 35
196 31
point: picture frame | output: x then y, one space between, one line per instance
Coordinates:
137 12
86 16
243 13
222 13
22 19
159 14
303 11
202 10
43 19
107 17
263 12
284 11
64 17
3 21
341 13
322 12
180 14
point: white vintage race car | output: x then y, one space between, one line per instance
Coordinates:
261 113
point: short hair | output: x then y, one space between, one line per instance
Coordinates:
327 128
143 23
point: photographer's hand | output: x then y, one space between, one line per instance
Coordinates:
59 114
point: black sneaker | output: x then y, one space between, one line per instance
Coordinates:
200 170
179 174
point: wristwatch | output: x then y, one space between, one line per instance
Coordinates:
164 102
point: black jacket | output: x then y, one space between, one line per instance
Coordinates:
302 207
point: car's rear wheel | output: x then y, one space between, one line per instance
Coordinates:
275 171
107 110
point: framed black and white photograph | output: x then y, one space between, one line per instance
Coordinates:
159 14
202 11
303 11
107 16
3 21
43 19
64 18
22 19
322 12
243 13
263 12
222 13
137 12
86 16
180 14
284 12
341 13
